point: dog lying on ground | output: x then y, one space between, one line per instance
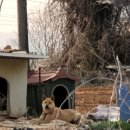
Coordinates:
51 112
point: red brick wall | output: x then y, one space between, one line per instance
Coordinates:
88 98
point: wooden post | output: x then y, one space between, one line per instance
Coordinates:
22 25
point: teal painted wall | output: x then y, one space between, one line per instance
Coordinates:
49 85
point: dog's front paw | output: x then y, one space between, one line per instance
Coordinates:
35 122
39 122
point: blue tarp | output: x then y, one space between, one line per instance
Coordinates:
123 101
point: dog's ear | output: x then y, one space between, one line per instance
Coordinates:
43 98
52 98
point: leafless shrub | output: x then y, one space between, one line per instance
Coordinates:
82 35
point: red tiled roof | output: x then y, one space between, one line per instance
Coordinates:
33 77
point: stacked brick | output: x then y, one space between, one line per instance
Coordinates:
88 98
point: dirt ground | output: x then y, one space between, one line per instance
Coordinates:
88 97
23 124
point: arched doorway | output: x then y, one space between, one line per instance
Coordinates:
60 93
3 94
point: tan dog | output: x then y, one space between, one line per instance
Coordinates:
50 112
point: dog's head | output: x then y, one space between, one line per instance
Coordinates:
48 103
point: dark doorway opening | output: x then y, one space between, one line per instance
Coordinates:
3 94
60 94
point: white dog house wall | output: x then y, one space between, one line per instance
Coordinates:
13 82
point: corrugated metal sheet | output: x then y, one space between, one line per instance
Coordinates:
33 77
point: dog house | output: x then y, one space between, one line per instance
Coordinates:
13 82
58 84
